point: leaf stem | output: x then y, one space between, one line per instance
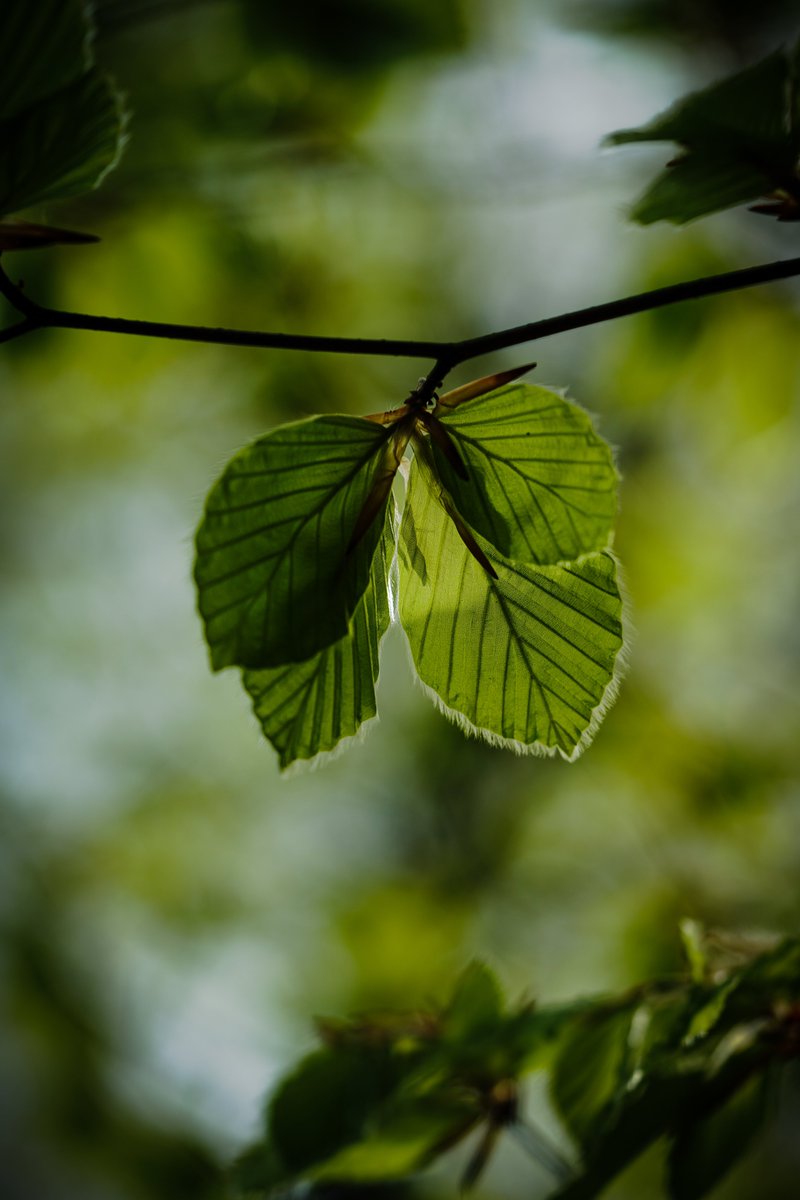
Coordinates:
446 355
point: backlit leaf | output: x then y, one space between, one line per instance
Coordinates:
527 660
307 708
542 486
275 581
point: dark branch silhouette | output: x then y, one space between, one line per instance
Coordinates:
446 355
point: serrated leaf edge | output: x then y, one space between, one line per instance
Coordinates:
539 749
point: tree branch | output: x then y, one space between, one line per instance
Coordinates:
446 355
675 293
41 317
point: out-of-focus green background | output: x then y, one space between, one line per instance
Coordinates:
173 913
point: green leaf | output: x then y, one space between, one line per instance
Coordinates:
526 660
770 978
745 110
326 1104
542 486
257 1170
742 141
60 119
704 1152
61 146
44 46
697 185
647 1114
475 1006
668 1091
402 1140
308 708
536 1034
275 581
590 1073
358 1112
658 1032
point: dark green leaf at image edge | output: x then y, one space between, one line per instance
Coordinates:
61 119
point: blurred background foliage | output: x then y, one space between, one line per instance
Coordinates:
172 912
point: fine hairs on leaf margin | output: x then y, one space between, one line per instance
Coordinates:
539 749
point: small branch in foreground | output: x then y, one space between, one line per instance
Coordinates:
41 317
446 355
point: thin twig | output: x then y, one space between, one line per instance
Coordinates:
446 355
675 293
53 318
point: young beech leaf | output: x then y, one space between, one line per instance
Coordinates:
526 660
541 486
741 140
428 468
275 581
308 708
61 123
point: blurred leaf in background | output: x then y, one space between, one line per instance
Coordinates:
61 118
735 30
389 1093
740 140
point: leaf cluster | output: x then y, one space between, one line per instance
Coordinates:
500 568
692 1059
740 141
